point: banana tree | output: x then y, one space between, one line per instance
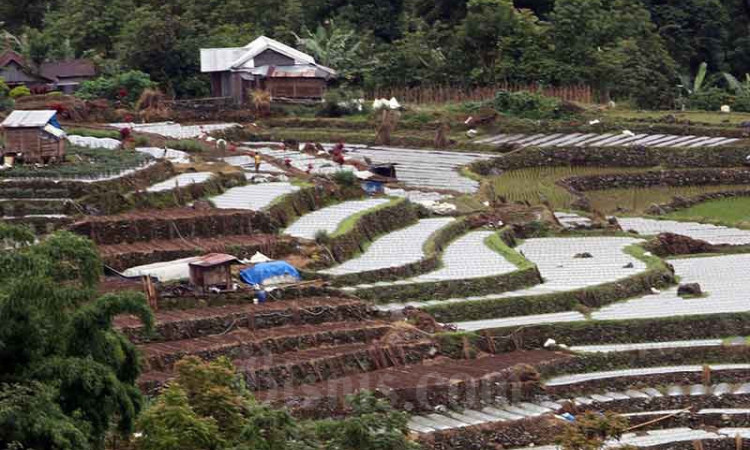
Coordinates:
739 87
696 84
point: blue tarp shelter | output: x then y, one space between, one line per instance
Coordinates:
263 271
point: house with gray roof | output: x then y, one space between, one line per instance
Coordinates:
268 65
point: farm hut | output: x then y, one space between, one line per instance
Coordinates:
267 65
212 270
34 136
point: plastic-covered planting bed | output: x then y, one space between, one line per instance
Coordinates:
465 258
175 130
181 180
723 279
330 218
396 249
565 265
713 234
253 197
606 140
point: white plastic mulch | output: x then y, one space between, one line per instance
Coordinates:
253 196
330 218
713 234
92 142
174 130
175 156
395 249
180 181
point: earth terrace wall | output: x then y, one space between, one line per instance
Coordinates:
597 362
515 280
49 188
679 203
172 224
711 326
423 398
432 250
194 300
273 315
588 298
180 196
291 206
625 383
264 346
369 227
726 156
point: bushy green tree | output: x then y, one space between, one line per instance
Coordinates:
59 348
124 87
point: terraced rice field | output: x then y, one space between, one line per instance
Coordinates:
731 211
329 219
540 184
396 249
636 201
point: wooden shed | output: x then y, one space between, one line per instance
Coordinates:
212 270
34 136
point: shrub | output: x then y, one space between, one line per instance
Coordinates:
345 178
126 87
186 145
19 91
340 102
709 99
529 105
94 133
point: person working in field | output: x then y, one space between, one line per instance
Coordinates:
338 153
257 161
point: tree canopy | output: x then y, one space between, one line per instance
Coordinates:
65 374
407 42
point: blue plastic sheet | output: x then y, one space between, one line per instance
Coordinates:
261 272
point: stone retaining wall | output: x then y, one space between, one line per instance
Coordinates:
622 331
518 279
673 178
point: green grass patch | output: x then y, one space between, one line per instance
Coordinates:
82 163
635 201
186 145
90 132
728 211
350 222
706 117
495 242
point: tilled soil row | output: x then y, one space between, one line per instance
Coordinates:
177 325
315 365
464 383
244 343
126 255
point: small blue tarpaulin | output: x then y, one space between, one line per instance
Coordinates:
263 271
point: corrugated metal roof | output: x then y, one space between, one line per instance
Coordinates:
54 131
214 259
67 69
223 59
219 59
28 119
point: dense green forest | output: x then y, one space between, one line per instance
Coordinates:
636 49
